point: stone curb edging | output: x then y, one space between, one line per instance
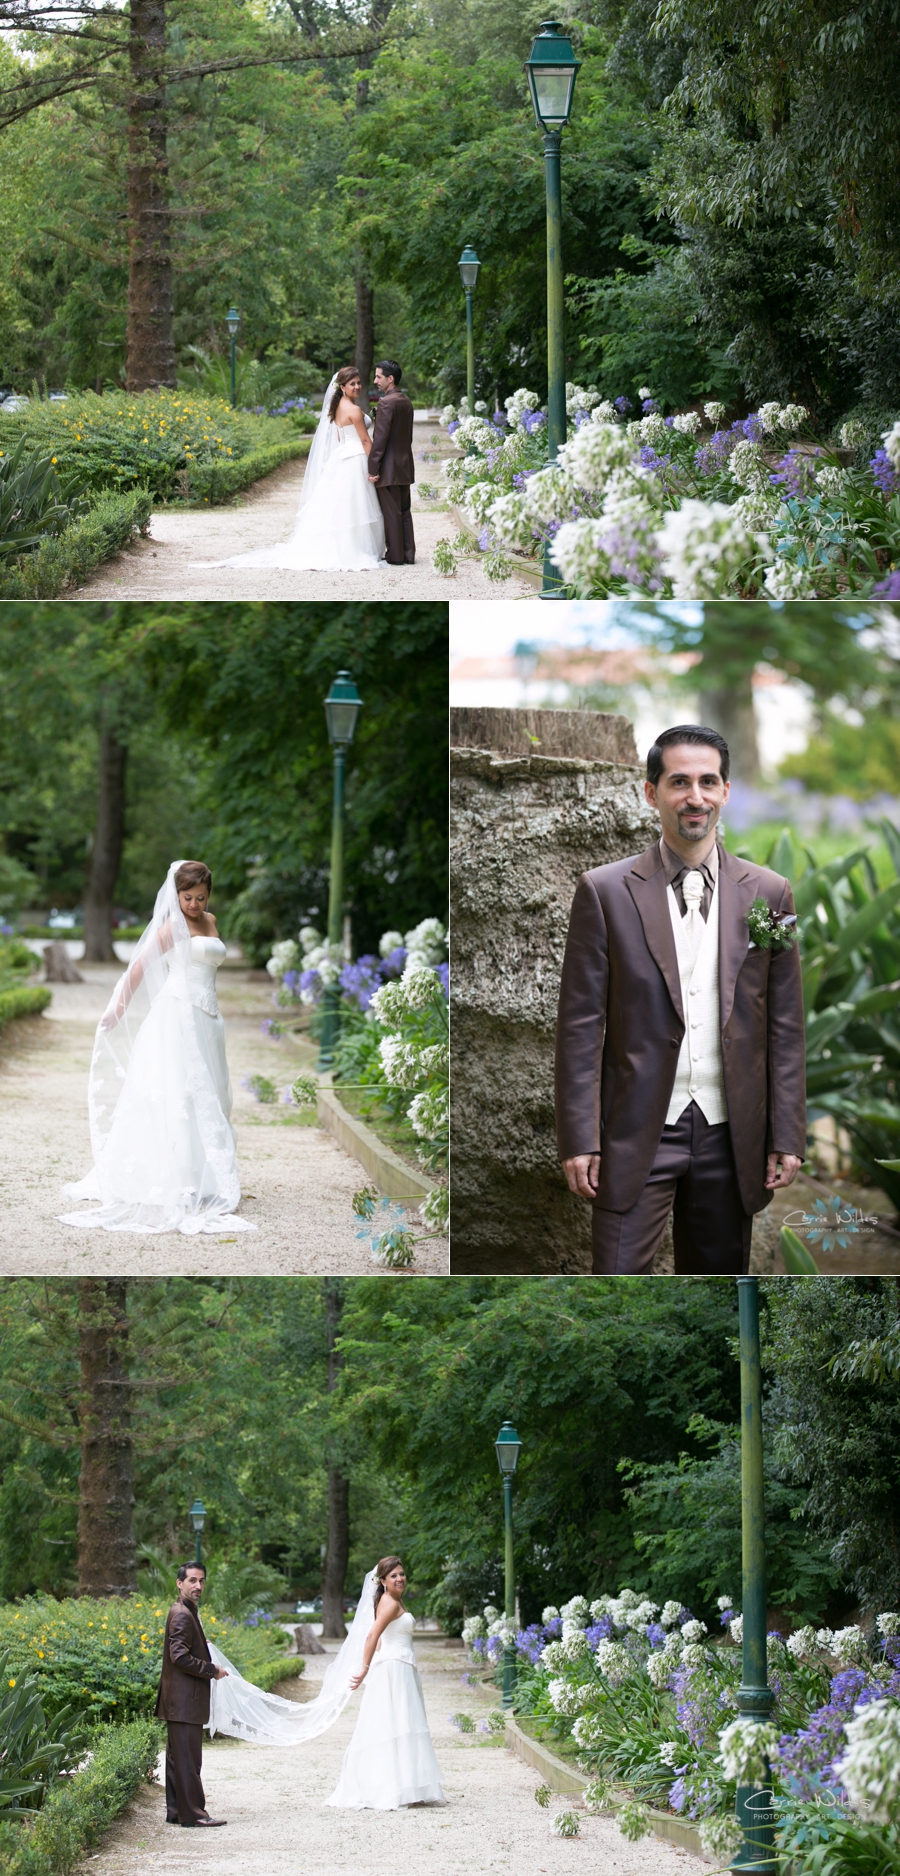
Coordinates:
390 1173
564 1778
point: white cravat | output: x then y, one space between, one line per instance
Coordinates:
693 923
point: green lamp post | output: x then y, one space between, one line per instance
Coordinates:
468 271
507 1447
551 71
755 1699
232 321
197 1515
342 707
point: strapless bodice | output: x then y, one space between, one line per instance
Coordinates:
350 440
193 977
396 1642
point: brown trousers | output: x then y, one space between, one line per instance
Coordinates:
184 1755
398 524
693 1177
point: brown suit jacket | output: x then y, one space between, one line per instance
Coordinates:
186 1669
391 455
621 1025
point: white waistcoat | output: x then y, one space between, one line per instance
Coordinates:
699 1075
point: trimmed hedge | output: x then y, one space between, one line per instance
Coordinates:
215 481
30 1000
79 1809
66 559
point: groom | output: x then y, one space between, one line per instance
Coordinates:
391 462
680 1082
183 1701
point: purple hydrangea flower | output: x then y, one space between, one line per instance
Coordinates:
711 455
484 539
453 426
884 475
361 980
795 474
888 588
582 417
622 404
650 406
751 428
533 420
442 971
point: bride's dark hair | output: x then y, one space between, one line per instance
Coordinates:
382 1570
193 873
343 377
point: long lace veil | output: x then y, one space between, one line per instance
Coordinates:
324 444
165 946
245 1712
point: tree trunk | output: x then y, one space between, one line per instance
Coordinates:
106 1558
365 335
337 1551
109 834
151 338
730 711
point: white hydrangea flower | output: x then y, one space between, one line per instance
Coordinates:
550 1614
426 942
448 415
784 581
891 440
830 480
429 1113
519 403
285 957
586 1732
564 1699
419 984
576 1610
744 1747
553 1657
575 1645
747 465
673 1644
721 1838
694 1655
703 547
581 397
716 413
628 1598
888 1623
643 1613
659 1667
490 1612
644 392
478 499
670 1613
474 433
480 405
633 431
686 422
870 1767
802 1642
474 1629
736 1629
792 416
670 1752
724 1602
653 430
849 1645
388 942
775 1649
693 1631
824 1639
589 457
853 434
770 417
614 1662
604 412
400 1061
757 508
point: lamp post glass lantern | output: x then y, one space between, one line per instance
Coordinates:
468 273
755 1699
507 1447
197 1515
551 72
342 707
232 321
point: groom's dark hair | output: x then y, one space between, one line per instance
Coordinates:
693 733
183 1569
391 369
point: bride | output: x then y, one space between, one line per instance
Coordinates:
390 1760
159 1095
339 522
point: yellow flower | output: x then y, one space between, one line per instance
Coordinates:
40 1654
10 1683
53 459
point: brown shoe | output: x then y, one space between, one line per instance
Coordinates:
206 1823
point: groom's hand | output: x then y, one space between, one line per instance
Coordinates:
221 1674
583 1174
373 478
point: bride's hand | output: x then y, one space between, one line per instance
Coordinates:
355 1679
110 1020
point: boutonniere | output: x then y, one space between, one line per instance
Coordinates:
768 930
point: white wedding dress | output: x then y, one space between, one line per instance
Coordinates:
339 526
390 1760
160 1093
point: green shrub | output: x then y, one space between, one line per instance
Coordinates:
33 1750
150 440
104 1656
29 1001
78 1809
65 560
14 959
34 501
215 481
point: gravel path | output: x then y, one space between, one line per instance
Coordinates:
278 1824
297 1182
161 567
